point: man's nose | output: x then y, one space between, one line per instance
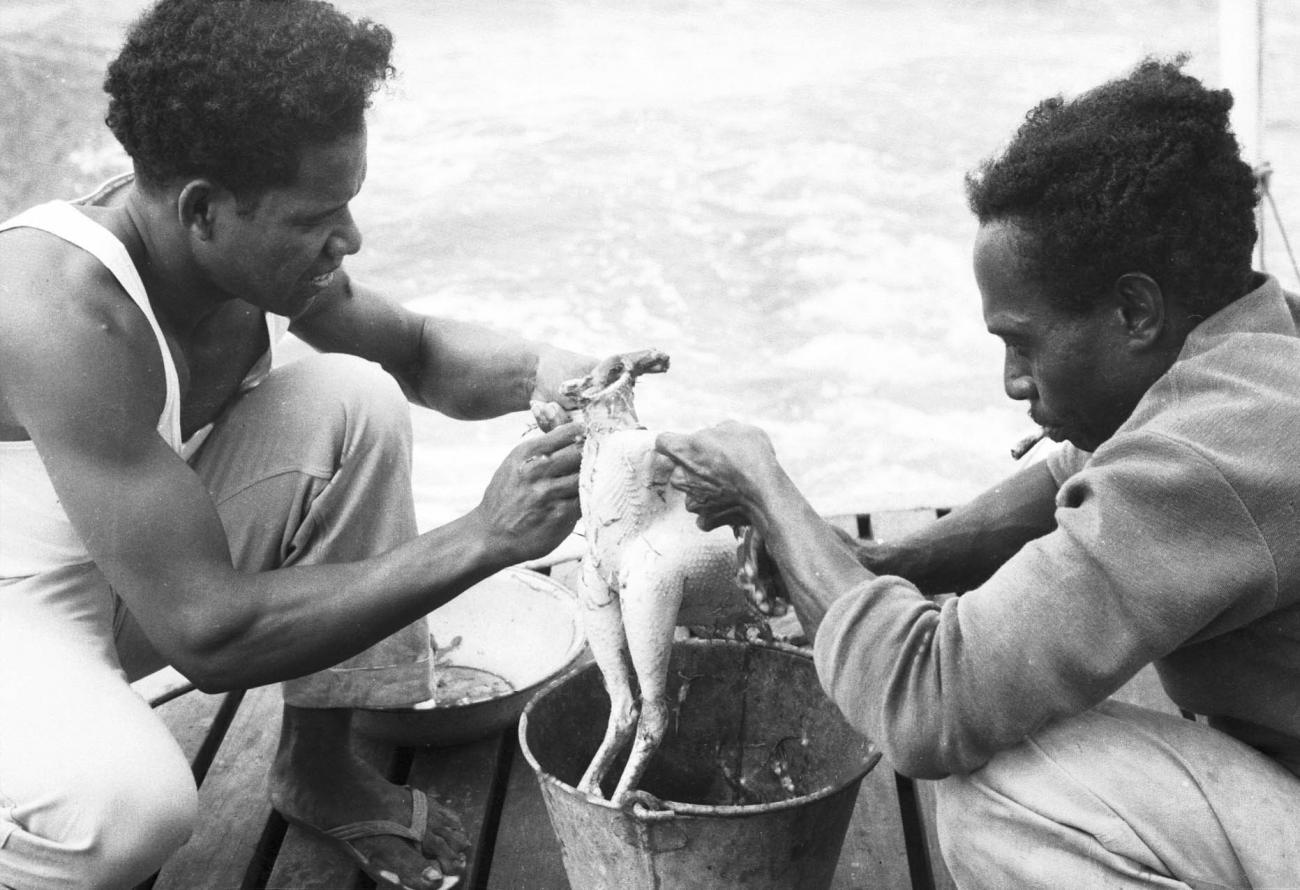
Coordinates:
345 240
1017 381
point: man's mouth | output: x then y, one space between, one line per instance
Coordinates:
1051 427
322 281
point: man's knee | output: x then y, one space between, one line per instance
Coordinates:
114 829
128 849
1118 794
375 416
362 388
365 407
991 834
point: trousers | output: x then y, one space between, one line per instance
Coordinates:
1123 797
310 467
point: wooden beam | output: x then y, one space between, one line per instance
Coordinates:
227 848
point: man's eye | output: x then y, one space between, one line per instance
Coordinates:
320 220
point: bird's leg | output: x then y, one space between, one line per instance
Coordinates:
603 624
650 600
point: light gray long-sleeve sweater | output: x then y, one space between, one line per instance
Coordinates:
1177 542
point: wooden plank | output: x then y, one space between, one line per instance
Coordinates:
527 855
190 720
468 779
304 861
233 806
162 686
926 797
873 854
847 522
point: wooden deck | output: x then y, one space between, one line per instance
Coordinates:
241 844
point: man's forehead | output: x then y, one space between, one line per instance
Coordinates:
328 176
1002 242
998 265
1013 301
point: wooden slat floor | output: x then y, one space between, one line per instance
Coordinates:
241 844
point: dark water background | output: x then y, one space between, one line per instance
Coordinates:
769 190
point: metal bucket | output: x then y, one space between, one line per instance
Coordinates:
758 780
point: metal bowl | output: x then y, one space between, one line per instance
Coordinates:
496 644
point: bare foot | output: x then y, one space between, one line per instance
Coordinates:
316 779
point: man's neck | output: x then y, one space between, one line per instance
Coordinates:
159 247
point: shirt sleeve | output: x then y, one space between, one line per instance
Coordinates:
1152 549
1064 461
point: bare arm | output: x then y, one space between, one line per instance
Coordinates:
90 397
963 549
464 370
731 474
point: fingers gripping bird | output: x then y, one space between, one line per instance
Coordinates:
644 553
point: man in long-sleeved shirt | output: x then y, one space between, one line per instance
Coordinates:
1113 260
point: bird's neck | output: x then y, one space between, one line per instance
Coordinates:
610 412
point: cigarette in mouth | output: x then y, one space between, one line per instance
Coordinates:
1021 448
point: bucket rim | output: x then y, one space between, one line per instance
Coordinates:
673 808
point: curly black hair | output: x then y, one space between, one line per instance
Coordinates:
235 89
1141 174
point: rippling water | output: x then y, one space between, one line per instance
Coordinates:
770 191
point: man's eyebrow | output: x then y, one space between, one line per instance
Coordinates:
322 213
1004 324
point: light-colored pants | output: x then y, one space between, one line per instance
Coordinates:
1123 797
312 466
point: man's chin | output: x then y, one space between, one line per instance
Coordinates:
300 303
300 309
1064 434
1081 441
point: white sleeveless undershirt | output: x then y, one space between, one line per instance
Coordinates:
35 532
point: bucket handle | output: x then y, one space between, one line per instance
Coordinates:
649 808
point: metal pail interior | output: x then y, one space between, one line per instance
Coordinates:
759 776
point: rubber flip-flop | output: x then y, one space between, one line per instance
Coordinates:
342 836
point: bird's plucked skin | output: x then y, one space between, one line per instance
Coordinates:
644 554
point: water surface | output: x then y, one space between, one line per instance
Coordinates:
770 191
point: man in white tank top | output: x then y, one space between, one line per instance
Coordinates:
170 498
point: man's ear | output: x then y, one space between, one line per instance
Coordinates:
1140 307
195 208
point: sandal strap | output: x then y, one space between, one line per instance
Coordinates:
389 828
373 828
419 816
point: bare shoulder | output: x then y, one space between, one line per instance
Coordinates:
41 274
68 333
